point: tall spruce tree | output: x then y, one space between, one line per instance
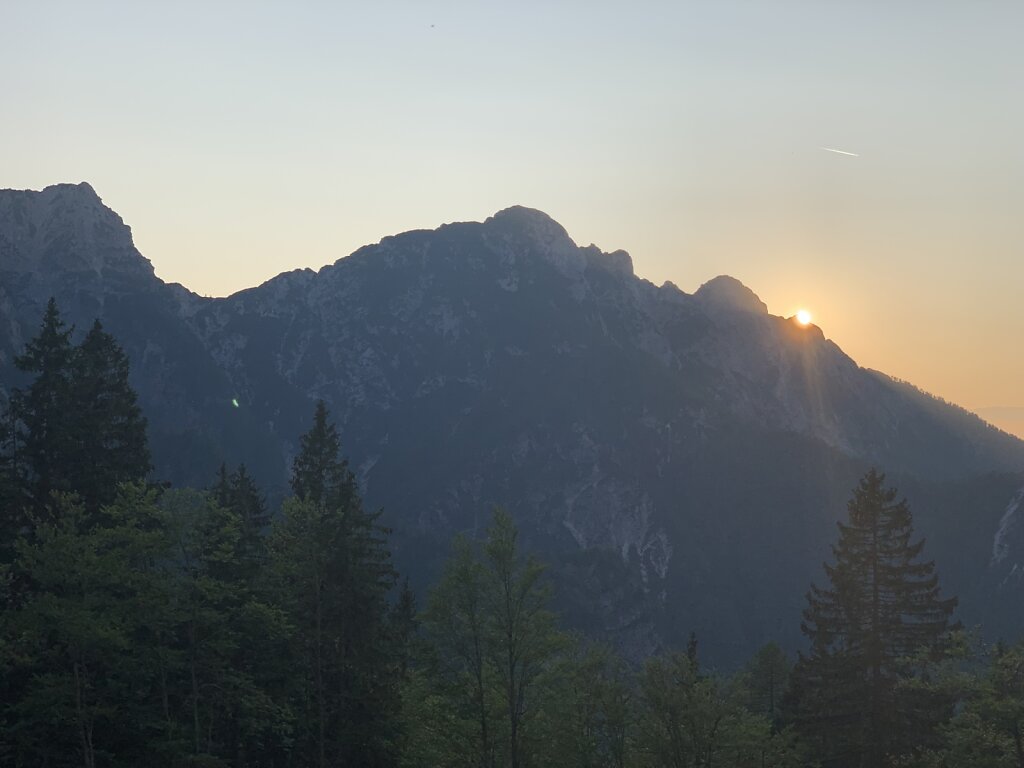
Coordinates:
333 570
319 474
43 430
875 628
108 429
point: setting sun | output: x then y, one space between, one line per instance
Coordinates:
803 317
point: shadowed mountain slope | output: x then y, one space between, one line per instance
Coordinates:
680 459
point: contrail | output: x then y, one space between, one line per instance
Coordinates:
840 151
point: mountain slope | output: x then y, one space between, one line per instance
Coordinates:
680 459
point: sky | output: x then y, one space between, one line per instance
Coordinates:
241 140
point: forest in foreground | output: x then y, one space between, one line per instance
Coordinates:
145 625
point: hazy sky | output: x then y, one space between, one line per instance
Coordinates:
240 140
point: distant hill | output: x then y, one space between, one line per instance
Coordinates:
679 459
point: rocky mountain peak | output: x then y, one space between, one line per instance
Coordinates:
538 231
530 228
532 221
82 191
66 232
729 293
78 206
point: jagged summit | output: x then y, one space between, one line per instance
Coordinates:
65 233
729 293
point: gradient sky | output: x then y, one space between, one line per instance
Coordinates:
240 140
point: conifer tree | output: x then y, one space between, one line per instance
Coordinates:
108 428
43 411
333 571
76 428
239 493
224 634
873 628
319 475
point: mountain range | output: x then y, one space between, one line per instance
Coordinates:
680 460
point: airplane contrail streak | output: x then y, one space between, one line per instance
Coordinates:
840 151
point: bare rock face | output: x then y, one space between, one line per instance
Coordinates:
65 237
680 460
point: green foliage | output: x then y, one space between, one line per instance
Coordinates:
169 631
221 627
764 681
436 732
589 720
136 644
74 640
522 629
494 647
457 629
988 731
688 720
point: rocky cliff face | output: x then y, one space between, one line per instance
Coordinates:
62 240
680 459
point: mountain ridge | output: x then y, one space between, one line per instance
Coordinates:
633 429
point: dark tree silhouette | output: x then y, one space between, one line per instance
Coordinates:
877 625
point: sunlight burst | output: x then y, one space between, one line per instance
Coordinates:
803 317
